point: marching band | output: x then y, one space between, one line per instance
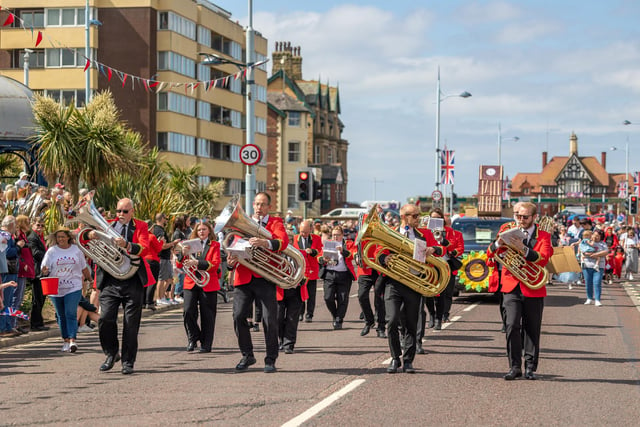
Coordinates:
409 264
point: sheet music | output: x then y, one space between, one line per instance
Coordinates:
195 245
330 251
419 250
240 249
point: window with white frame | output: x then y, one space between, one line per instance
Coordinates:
233 186
67 96
294 151
171 61
204 36
329 155
291 196
177 103
68 17
173 22
261 93
317 150
31 18
177 143
203 181
261 125
67 57
203 148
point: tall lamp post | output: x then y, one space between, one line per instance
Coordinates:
439 98
213 59
25 66
626 168
503 138
87 49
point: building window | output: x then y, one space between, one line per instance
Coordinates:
177 143
64 58
291 196
203 181
316 154
36 59
204 36
294 151
294 119
203 148
67 17
174 102
176 23
233 186
329 155
67 96
31 18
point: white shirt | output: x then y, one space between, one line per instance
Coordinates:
66 265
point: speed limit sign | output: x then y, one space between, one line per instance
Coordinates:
436 196
250 154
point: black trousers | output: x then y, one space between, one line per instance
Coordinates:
337 285
288 317
524 322
37 302
435 306
257 318
258 289
365 283
309 306
150 291
447 296
400 300
130 294
206 303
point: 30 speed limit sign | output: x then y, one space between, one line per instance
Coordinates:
250 154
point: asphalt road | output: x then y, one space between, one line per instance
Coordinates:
589 374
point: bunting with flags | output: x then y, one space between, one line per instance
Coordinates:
447 166
149 84
622 190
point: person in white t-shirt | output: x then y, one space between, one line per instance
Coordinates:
66 261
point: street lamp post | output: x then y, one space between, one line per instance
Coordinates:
440 98
25 66
87 50
503 138
626 167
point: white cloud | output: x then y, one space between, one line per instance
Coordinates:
481 12
526 31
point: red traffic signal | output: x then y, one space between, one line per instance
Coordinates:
303 176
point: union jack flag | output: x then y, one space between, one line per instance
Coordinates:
506 193
447 166
8 311
636 183
622 190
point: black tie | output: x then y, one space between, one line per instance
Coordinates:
124 231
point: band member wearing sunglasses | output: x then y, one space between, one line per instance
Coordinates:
128 293
522 305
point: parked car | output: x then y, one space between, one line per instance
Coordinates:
477 233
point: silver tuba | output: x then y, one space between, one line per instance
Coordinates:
103 251
285 269
200 278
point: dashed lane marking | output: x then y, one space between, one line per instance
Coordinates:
453 319
471 307
315 409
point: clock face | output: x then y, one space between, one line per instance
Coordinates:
490 171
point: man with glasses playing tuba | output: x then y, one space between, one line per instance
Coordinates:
249 286
522 287
399 297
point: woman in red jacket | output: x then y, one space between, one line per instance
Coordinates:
204 295
151 255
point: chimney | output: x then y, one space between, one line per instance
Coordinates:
544 159
287 58
573 144
603 160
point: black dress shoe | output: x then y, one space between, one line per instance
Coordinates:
419 349
40 328
127 369
288 350
528 374
337 323
513 374
393 366
256 327
308 319
245 362
301 317
362 315
269 368
204 350
431 322
408 368
365 330
438 325
108 363
191 346
381 334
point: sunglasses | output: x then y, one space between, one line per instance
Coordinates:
124 211
414 216
523 216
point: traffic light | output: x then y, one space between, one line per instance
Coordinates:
317 191
633 205
304 188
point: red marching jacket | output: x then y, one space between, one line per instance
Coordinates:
539 254
279 242
311 263
210 263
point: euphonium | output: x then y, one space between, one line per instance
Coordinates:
200 278
530 274
285 269
103 251
429 278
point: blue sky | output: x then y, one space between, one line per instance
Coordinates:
540 68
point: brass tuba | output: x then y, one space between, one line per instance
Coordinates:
285 269
530 274
428 279
111 258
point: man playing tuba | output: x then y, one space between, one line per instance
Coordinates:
249 286
522 305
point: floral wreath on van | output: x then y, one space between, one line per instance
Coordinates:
474 273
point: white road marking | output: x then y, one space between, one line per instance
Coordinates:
353 296
471 307
387 361
315 409
453 319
